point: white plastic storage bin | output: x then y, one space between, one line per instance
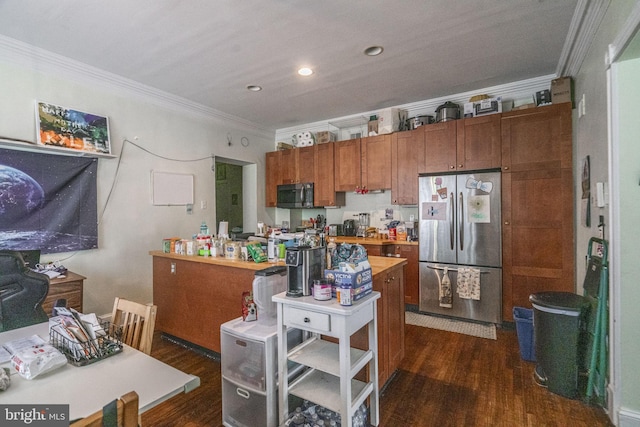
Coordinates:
244 407
249 359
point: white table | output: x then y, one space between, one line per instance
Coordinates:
88 388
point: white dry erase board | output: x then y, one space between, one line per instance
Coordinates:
171 188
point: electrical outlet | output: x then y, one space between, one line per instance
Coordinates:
203 204
173 268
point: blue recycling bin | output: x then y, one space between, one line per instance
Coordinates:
524 329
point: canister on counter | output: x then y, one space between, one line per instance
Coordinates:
321 290
232 250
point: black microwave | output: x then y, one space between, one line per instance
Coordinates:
295 196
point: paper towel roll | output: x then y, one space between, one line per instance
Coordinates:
223 229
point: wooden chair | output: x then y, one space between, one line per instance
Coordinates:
137 322
126 414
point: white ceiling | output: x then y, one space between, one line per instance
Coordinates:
208 51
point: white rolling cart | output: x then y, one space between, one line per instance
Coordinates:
329 380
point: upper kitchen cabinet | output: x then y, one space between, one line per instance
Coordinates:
324 190
272 178
537 138
440 147
297 165
347 165
376 162
463 145
478 143
407 159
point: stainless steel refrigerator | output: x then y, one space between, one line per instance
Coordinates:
461 245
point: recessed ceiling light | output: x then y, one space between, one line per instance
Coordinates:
254 88
305 71
373 51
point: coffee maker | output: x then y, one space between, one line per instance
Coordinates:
304 265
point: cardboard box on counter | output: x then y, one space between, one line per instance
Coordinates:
391 120
562 90
323 137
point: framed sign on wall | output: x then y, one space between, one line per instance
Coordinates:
68 128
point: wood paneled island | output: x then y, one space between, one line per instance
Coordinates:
195 295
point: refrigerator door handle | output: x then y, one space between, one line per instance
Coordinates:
460 219
452 237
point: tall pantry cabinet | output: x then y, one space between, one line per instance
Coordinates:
537 204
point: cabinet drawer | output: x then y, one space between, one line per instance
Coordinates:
309 320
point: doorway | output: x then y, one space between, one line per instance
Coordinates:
229 200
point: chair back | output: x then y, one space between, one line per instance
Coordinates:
137 322
22 293
125 414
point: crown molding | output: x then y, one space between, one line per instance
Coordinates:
23 54
508 91
584 26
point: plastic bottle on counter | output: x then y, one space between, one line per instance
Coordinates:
272 249
204 229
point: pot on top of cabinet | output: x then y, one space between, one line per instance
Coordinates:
447 111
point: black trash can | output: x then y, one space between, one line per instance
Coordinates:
559 323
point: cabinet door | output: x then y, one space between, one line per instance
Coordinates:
537 235
376 162
537 138
394 292
324 190
304 164
407 159
272 178
412 274
380 285
440 147
288 170
479 145
347 165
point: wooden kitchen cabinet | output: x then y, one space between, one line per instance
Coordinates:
478 143
537 138
272 178
376 162
407 159
297 165
412 274
347 165
440 147
324 189
390 283
463 145
537 204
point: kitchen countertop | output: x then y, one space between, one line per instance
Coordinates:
378 264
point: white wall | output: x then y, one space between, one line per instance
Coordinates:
591 136
131 226
629 206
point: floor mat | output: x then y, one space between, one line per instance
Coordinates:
458 326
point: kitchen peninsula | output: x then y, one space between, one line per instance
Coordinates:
195 295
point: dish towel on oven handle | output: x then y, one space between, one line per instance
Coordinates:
468 283
446 298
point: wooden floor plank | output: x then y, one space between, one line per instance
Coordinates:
446 379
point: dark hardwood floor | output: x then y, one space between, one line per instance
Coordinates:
446 379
